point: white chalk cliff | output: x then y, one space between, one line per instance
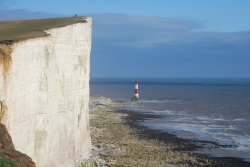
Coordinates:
44 95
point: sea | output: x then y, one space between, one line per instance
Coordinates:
213 111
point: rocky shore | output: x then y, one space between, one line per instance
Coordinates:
119 141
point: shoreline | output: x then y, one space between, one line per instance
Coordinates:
115 132
178 144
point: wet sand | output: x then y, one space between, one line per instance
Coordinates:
119 141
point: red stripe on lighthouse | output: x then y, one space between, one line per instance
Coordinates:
136 91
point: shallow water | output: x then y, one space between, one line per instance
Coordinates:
209 110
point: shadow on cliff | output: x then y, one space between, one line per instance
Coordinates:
7 150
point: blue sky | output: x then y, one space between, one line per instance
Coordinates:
156 38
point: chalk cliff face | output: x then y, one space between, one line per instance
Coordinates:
44 95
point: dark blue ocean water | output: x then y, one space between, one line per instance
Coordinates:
216 110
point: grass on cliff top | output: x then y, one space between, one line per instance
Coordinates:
22 29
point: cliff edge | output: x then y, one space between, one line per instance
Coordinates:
44 88
14 30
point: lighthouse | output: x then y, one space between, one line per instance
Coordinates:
136 92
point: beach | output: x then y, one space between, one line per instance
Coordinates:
118 140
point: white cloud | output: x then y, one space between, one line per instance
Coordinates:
150 31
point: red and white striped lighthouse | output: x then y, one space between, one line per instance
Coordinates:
136 91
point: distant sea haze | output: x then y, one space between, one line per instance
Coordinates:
216 110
